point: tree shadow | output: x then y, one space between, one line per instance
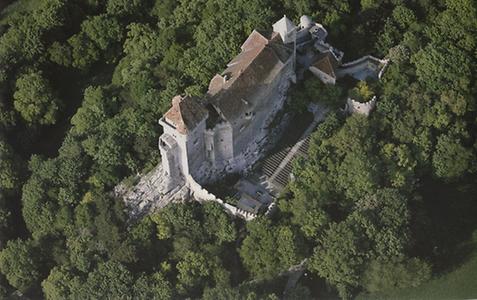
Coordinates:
444 221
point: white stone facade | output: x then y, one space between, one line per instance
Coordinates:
231 143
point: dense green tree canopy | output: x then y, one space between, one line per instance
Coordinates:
268 250
20 262
392 274
451 159
34 99
83 83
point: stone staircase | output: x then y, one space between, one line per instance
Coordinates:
278 167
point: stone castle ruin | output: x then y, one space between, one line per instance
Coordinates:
229 129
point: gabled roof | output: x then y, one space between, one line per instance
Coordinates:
256 38
185 114
232 93
326 62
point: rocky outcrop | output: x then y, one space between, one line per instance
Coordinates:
148 194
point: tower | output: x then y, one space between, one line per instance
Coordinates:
287 31
182 144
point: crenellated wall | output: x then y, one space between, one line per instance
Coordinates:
353 106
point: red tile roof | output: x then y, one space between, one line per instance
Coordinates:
232 92
185 114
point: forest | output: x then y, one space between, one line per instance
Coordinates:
382 203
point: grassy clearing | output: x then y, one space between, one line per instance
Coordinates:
460 283
447 231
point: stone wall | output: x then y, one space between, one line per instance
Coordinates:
366 66
181 140
269 101
202 195
219 143
353 106
325 78
253 142
195 148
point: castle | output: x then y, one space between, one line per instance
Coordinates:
225 132
229 129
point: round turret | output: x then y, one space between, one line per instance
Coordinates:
306 22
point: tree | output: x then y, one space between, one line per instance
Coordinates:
176 220
357 174
4 287
103 30
51 14
399 164
310 198
370 4
34 99
218 223
349 158
21 42
9 177
60 284
163 8
299 292
124 7
110 280
459 104
99 104
258 250
395 273
143 48
108 145
443 67
20 263
60 53
312 90
339 258
221 293
267 249
451 160
39 210
84 51
404 16
153 286
362 92
193 271
384 218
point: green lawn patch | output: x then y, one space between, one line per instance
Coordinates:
460 283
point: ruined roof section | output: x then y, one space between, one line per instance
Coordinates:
327 63
185 114
232 92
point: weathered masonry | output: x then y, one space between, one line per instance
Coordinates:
227 131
